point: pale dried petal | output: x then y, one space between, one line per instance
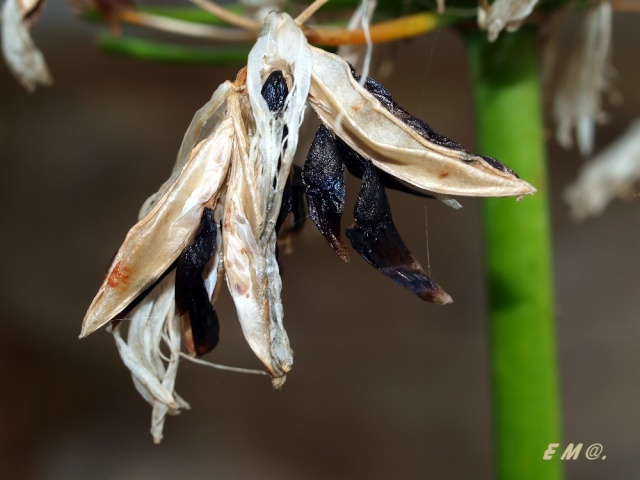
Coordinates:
22 56
577 102
152 323
153 244
353 53
504 14
611 173
359 119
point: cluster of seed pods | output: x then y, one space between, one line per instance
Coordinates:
227 207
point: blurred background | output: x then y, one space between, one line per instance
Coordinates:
384 385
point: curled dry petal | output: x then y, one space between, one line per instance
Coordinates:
504 14
22 56
363 122
610 174
152 323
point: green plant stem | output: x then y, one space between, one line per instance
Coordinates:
505 79
173 53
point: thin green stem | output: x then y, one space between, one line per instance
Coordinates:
505 78
173 53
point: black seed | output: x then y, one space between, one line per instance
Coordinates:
417 125
285 204
297 200
275 91
376 238
323 178
292 201
355 164
192 297
499 166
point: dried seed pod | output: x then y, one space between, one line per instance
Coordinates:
323 178
154 243
375 237
424 159
256 185
192 298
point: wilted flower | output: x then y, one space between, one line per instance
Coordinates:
610 174
577 101
219 214
503 14
20 53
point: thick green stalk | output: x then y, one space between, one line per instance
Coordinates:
505 78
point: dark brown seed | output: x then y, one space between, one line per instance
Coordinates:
192 298
419 126
323 178
292 202
374 236
355 164
275 91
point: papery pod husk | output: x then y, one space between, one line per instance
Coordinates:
261 166
154 243
359 119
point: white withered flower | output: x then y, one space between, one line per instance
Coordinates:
503 15
610 174
577 101
218 217
20 53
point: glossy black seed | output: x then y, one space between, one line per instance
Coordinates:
285 204
376 238
420 127
355 164
292 202
323 178
299 206
499 166
417 125
192 297
275 91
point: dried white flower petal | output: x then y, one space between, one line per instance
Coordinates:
22 56
577 102
504 14
611 173
152 323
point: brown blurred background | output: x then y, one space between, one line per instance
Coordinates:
384 386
